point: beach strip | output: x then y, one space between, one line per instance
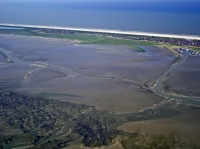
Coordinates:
189 37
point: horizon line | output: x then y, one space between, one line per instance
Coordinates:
193 37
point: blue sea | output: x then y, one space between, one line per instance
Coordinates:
164 16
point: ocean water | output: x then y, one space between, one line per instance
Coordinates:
179 17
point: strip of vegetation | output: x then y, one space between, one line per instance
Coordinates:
106 38
194 48
172 41
83 38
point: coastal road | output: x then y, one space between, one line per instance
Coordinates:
158 87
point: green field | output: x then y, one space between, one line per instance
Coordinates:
92 38
195 48
85 38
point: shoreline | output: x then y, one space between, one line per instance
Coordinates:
189 37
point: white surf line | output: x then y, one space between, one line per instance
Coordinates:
106 31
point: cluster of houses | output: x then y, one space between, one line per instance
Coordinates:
174 41
179 50
194 53
191 52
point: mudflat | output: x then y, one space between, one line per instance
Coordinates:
109 77
185 79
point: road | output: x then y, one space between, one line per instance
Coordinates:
158 87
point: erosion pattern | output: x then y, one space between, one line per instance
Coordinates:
44 123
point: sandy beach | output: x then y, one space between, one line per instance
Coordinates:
193 37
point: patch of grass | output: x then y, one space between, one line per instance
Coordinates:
168 47
115 41
79 37
22 140
102 40
139 49
195 48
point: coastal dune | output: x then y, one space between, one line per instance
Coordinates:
189 37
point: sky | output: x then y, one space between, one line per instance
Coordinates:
182 6
170 16
144 5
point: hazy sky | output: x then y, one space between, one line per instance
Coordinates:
144 5
169 16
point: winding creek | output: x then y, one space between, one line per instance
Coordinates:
158 87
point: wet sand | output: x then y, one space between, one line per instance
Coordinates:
45 75
185 125
108 77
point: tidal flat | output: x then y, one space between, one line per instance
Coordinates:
185 79
85 95
109 77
